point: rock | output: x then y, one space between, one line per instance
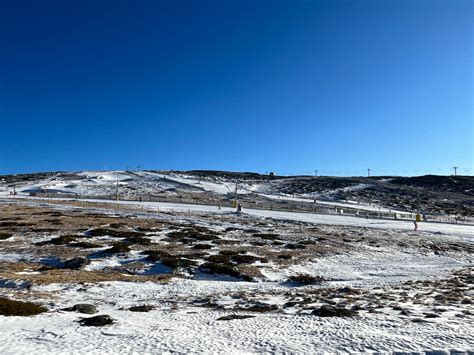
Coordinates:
142 308
75 264
83 308
419 320
97 321
262 307
234 316
331 311
405 312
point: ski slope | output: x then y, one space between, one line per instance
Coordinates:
447 229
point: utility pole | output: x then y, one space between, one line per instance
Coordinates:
368 172
455 170
117 191
236 188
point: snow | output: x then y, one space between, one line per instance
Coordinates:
353 204
372 268
447 229
178 325
175 327
96 183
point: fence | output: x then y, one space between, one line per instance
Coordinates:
248 201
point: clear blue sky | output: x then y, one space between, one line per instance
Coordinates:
284 86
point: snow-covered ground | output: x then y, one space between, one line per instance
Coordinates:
375 261
342 220
95 183
177 328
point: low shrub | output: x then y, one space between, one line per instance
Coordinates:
295 246
19 308
102 232
202 246
221 269
64 239
118 248
4 235
85 245
156 255
219 258
176 261
267 236
305 279
138 240
244 259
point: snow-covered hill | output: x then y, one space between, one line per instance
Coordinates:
433 194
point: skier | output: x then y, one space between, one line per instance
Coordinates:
416 226
239 208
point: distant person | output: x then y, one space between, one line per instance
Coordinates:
416 226
239 208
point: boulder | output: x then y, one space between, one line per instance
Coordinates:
332 311
82 308
142 308
97 321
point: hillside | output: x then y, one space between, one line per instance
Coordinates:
451 195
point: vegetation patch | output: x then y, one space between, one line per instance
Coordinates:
177 261
258 243
245 259
219 258
44 230
138 240
19 308
231 252
76 263
102 232
202 246
85 245
4 236
305 279
224 269
118 248
194 234
64 239
331 311
235 316
117 225
267 236
294 246
307 242
156 255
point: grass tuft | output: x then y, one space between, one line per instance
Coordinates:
19 308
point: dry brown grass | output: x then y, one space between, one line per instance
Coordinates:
80 276
19 308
